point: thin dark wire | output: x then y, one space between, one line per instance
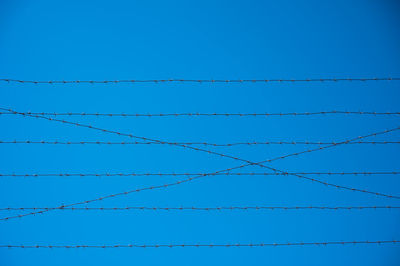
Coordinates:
197 80
226 208
195 174
196 177
220 154
233 157
207 245
191 143
209 114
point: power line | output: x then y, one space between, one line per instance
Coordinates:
56 142
208 114
197 80
226 208
248 163
206 245
195 174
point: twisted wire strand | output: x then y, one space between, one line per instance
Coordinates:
56 142
207 245
223 208
229 156
196 174
196 177
196 80
208 114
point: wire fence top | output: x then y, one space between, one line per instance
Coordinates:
178 80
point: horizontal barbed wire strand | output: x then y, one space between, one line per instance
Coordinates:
195 174
207 114
192 143
188 180
207 245
195 148
196 177
249 163
203 208
196 80
228 156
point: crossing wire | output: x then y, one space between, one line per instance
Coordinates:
195 174
205 245
196 177
236 158
223 208
175 80
233 157
209 114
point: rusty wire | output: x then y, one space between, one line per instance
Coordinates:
206 245
248 163
197 80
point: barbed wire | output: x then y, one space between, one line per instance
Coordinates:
165 186
202 208
206 245
209 114
195 148
197 80
195 174
196 177
211 152
56 142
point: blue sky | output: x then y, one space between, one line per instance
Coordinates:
102 40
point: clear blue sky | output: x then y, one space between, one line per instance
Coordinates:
79 40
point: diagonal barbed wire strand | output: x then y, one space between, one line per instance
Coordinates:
222 208
175 80
195 174
229 156
134 191
210 114
196 177
195 148
203 245
57 142
190 147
